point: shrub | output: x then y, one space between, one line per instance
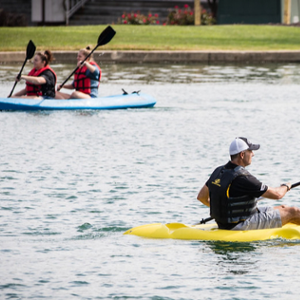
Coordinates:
207 18
186 16
139 19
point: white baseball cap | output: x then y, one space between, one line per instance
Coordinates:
240 144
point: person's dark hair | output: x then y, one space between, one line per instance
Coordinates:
234 156
46 57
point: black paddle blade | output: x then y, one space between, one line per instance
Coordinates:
106 35
29 54
30 50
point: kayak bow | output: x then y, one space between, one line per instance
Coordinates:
210 232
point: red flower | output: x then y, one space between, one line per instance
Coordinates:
144 20
191 13
149 15
164 24
129 15
186 6
176 6
157 22
135 15
125 22
156 15
123 16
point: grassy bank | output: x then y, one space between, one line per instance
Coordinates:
130 37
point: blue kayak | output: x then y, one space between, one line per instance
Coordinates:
134 100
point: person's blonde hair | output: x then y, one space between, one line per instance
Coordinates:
86 51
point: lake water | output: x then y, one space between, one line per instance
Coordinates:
71 182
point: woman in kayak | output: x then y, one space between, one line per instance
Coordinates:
86 78
41 80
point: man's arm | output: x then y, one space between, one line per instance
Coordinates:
203 196
278 192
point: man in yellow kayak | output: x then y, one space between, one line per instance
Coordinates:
231 192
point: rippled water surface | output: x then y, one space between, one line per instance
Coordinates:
71 182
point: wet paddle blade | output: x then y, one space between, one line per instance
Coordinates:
105 37
30 50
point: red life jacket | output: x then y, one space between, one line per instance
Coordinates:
82 83
33 89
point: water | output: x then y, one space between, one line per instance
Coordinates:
72 182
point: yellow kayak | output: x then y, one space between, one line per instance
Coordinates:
210 232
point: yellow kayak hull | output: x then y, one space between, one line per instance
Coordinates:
210 232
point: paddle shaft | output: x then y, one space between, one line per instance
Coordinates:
203 221
295 185
78 67
19 76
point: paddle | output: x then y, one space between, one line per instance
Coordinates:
295 184
29 54
104 38
203 221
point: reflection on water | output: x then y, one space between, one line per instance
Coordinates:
233 257
183 74
240 258
228 248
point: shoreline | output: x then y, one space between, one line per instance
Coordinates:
137 56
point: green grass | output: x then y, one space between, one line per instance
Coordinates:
134 37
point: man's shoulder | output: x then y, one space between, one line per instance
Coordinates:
247 177
230 165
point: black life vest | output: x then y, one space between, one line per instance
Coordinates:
225 209
82 83
33 89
